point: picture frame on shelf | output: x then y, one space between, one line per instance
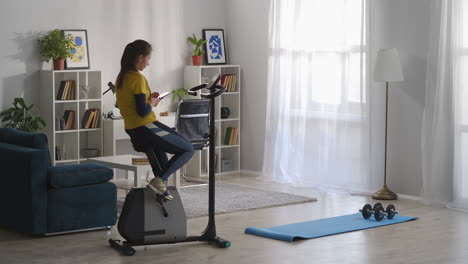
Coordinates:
215 46
80 58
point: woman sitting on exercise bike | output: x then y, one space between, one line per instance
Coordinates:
135 101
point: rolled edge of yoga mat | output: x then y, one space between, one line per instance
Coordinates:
270 234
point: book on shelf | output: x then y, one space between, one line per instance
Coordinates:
67 90
233 139
230 137
84 120
68 120
96 118
57 153
91 118
227 135
229 81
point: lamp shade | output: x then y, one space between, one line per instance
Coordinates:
387 66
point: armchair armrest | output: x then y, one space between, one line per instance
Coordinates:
78 175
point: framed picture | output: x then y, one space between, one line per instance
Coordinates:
80 58
214 46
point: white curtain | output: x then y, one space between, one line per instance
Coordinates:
317 127
445 121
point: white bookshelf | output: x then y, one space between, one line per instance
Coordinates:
197 167
73 141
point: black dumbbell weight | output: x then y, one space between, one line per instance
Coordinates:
378 211
378 205
366 211
391 211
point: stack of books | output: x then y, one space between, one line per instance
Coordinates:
230 137
229 81
67 121
91 118
140 161
67 90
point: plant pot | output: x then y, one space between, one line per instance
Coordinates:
196 60
59 64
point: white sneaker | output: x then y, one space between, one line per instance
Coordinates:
159 186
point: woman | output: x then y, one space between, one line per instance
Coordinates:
135 101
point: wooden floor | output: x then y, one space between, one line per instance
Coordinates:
439 236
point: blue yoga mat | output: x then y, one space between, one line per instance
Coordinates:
323 227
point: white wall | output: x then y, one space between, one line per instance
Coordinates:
202 14
396 23
247 37
110 24
403 24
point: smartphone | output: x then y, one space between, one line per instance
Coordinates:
161 96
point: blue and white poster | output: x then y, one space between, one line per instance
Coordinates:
215 47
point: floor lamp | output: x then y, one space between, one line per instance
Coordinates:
387 69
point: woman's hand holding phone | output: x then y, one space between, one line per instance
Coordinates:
154 95
154 101
155 98
161 96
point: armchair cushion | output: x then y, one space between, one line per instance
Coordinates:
78 175
25 139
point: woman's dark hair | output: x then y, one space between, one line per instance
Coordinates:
129 58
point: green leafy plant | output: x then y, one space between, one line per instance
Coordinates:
197 43
21 117
178 93
56 45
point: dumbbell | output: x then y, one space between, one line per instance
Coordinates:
390 212
378 211
367 211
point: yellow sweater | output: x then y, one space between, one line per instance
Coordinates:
133 83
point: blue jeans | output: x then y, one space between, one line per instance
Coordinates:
156 140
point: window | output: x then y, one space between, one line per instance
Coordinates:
328 39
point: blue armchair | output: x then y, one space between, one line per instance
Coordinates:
37 198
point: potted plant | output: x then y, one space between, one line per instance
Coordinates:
21 117
197 52
178 93
56 45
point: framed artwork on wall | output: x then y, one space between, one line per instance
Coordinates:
214 46
80 58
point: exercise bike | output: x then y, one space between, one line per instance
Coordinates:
147 218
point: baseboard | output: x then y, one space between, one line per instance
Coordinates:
409 197
251 173
259 174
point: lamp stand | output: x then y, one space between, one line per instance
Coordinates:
385 193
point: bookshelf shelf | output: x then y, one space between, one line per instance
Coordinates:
227 156
228 146
66 131
89 100
229 119
65 101
65 98
89 129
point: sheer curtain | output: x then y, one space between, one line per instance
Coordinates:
317 127
445 122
